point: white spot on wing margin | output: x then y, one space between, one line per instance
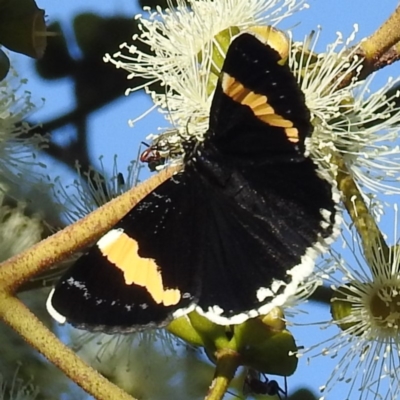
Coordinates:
183 311
109 238
52 311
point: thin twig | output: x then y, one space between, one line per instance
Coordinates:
18 317
227 363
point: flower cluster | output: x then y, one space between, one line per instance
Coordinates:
94 188
182 49
349 119
365 309
185 49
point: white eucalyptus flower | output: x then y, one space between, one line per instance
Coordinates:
17 148
17 231
148 365
94 188
361 125
366 309
182 45
18 389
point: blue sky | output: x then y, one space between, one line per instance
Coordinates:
109 128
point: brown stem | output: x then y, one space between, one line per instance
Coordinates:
378 50
386 36
388 58
18 317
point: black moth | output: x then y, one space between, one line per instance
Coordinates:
230 236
